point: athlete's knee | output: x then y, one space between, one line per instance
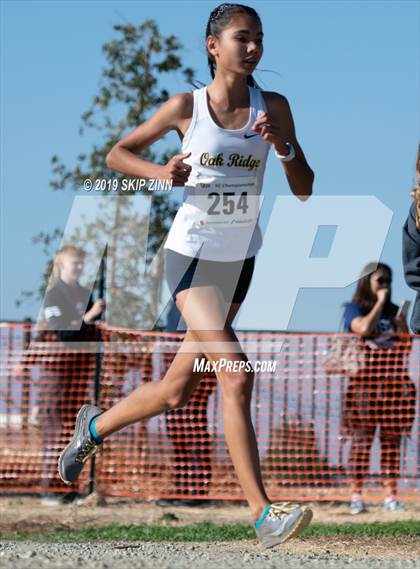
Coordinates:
238 383
176 396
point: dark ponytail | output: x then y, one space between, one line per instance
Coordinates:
219 19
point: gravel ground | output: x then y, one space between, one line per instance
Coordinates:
358 552
242 555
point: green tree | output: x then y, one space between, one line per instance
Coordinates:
131 86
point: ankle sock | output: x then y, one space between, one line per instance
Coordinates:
391 496
97 438
261 518
356 496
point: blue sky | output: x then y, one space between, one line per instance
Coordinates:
349 69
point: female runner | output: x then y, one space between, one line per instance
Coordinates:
227 129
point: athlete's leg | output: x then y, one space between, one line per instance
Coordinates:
202 309
153 398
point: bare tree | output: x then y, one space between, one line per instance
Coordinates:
130 88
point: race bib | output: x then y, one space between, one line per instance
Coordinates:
226 201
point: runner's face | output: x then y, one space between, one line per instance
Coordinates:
71 267
379 280
239 42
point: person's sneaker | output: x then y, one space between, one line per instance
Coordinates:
51 500
81 446
282 521
357 507
393 505
81 500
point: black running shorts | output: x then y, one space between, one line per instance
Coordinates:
231 277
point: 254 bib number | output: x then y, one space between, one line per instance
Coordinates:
227 202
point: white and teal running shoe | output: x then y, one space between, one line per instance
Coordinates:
281 521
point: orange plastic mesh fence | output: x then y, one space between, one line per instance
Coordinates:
329 414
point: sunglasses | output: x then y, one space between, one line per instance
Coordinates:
383 280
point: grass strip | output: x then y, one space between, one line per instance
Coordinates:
209 532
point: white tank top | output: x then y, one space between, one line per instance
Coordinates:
221 201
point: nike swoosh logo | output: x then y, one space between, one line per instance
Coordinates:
249 135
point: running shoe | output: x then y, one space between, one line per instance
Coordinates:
81 446
283 521
51 500
357 507
393 505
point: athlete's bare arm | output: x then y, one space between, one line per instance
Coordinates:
174 114
281 129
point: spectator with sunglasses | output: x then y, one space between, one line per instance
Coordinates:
381 393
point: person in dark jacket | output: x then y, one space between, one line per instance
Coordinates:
67 315
411 249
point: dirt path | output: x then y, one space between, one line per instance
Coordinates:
26 514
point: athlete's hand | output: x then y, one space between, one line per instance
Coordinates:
176 170
271 133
